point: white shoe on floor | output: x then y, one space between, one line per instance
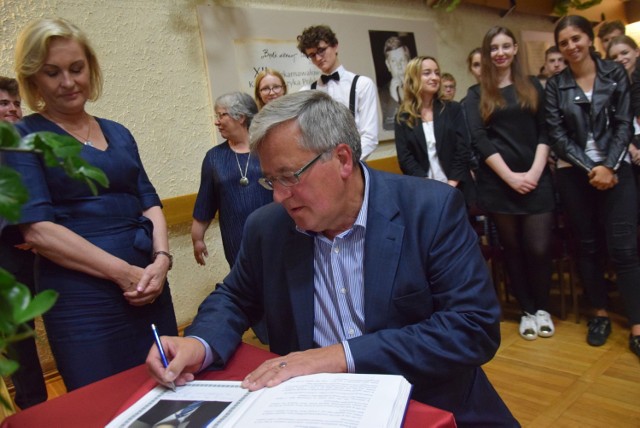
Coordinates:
528 327
544 324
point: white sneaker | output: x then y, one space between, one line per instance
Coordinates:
528 327
544 324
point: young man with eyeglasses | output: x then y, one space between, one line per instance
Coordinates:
320 45
447 87
355 270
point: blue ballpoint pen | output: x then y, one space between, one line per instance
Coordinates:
165 363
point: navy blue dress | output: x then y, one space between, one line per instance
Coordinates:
93 331
221 191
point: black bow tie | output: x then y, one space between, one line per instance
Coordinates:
326 77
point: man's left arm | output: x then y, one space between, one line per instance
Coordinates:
367 118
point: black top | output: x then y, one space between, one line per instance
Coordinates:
515 134
571 116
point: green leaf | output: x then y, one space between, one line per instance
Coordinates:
582 5
40 304
9 137
18 297
6 280
7 367
13 194
94 174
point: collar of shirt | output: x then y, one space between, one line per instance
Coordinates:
361 220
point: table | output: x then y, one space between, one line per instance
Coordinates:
96 404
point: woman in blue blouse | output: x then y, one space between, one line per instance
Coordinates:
229 183
107 254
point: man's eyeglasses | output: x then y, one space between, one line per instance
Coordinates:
287 179
319 52
267 89
219 116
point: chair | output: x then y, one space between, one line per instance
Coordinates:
562 249
490 247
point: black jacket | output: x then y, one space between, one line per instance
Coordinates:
570 115
452 146
635 90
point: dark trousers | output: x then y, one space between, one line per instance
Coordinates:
28 379
611 213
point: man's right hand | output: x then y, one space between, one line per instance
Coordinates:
185 356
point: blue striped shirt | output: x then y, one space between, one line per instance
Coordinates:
339 283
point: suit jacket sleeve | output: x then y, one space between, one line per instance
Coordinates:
635 90
460 166
443 315
367 118
478 130
406 147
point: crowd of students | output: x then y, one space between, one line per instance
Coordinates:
568 132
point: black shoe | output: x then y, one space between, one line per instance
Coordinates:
634 344
599 331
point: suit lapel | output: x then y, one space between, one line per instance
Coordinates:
299 274
603 89
418 131
383 243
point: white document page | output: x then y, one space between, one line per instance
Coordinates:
325 401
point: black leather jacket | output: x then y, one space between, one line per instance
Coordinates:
570 116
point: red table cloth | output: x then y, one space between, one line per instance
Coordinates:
97 404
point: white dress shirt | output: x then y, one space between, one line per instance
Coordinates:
435 169
366 108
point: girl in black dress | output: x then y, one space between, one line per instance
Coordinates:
506 120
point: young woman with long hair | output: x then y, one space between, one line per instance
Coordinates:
589 120
431 139
506 120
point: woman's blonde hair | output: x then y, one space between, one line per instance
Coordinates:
261 75
411 105
32 49
490 98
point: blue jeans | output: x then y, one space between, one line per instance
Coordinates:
599 217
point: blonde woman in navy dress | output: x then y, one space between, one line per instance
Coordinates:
506 118
107 255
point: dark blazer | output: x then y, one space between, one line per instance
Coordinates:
452 146
431 313
635 90
570 115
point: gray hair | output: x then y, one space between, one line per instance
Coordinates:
238 105
324 123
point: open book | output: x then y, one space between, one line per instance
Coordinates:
320 400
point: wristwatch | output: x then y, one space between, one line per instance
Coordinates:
164 253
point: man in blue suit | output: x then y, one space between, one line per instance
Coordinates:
355 270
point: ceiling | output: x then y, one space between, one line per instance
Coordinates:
626 10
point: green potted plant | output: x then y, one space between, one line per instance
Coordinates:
17 306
